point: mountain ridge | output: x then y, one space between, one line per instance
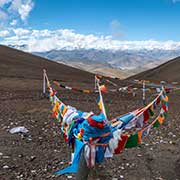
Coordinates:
129 59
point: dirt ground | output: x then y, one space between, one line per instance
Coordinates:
40 152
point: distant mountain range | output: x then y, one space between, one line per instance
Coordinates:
100 61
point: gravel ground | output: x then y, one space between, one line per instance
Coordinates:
40 152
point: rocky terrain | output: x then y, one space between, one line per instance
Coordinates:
37 154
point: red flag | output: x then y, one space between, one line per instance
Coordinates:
103 88
146 115
121 143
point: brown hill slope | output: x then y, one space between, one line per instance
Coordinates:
18 64
169 71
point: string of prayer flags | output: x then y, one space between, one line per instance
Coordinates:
155 82
100 77
87 91
104 89
136 138
89 130
141 116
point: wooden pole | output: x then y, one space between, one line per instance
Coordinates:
144 93
95 82
101 99
44 82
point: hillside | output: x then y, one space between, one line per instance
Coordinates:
169 71
18 64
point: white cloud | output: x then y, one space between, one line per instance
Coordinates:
12 11
46 40
4 33
22 7
21 31
15 5
25 9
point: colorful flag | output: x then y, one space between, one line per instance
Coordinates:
99 102
86 91
132 141
146 131
165 114
139 136
158 100
55 109
164 107
156 123
103 88
146 115
155 105
121 143
160 118
64 110
151 110
140 120
166 98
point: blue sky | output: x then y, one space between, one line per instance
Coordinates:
90 23
138 19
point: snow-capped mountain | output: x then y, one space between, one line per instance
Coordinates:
121 61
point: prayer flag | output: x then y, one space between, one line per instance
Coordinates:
164 107
161 118
64 110
103 88
140 120
99 102
165 114
158 100
146 115
121 143
146 131
156 123
151 110
139 136
132 141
